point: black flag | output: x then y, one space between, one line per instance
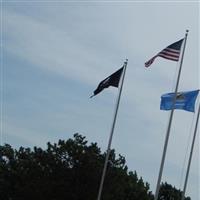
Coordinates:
112 80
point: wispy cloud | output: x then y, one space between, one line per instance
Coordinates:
71 48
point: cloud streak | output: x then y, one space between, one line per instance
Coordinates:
66 51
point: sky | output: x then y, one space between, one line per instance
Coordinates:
55 53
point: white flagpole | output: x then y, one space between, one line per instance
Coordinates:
111 132
170 122
190 157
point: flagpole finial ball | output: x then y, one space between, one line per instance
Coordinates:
187 30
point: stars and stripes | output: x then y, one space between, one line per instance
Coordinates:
172 52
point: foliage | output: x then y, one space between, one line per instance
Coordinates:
167 192
71 170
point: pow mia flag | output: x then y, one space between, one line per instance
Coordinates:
112 80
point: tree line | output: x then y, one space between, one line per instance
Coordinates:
71 170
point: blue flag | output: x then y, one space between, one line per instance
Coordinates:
184 101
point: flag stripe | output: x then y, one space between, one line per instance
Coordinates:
172 50
169 53
149 62
169 57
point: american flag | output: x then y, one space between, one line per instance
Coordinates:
171 52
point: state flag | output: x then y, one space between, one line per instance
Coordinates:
184 101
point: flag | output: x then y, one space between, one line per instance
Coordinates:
184 101
112 80
171 52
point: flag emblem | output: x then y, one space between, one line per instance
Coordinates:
112 80
180 97
172 52
184 101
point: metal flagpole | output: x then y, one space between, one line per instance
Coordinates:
170 122
190 157
111 132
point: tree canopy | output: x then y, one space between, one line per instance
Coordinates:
71 170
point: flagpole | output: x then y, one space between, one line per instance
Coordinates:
111 133
170 122
190 157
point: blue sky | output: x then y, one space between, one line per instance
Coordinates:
55 53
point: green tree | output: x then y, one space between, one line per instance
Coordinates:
168 192
68 169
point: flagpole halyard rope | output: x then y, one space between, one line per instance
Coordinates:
1 75
186 151
170 122
111 133
191 153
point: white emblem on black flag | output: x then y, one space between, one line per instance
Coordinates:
112 80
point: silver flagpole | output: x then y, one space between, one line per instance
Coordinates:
190 157
111 132
170 122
